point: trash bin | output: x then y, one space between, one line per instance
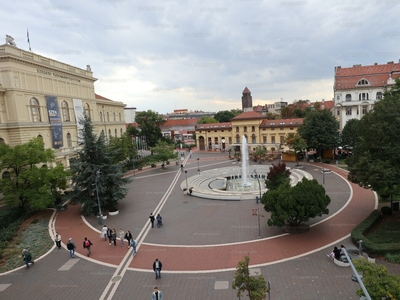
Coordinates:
395 206
100 220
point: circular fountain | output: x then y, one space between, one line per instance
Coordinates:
235 183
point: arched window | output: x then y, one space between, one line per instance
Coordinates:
363 82
114 117
120 116
102 132
101 117
2 141
237 139
65 111
378 95
348 97
69 140
86 109
116 133
5 175
108 117
363 96
120 131
253 139
109 133
35 110
40 137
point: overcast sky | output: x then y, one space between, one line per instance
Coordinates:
200 55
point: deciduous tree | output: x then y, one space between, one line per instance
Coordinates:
149 123
349 135
277 175
296 142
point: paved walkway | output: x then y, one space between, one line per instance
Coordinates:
194 265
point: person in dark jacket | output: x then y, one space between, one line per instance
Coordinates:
71 247
151 217
27 257
157 266
128 236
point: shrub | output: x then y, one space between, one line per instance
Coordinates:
327 161
393 258
386 210
153 165
9 216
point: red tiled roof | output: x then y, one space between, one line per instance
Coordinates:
223 125
377 75
246 91
281 122
249 115
101 97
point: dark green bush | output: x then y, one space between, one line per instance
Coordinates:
327 161
153 165
393 258
386 210
9 216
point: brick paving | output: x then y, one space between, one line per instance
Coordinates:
195 222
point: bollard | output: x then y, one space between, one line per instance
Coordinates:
257 199
360 248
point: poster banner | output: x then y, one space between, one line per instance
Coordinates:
79 115
55 121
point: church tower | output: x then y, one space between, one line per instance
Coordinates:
247 100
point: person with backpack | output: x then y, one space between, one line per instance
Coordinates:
86 245
134 244
27 257
71 247
159 221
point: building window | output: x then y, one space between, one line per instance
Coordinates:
272 129
86 109
363 82
230 141
264 139
272 140
120 131
282 128
114 117
101 117
35 110
378 95
108 117
348 97
245 128
364 109
348 111
358 111
237 139
237 128
253 139
2 141
65 111
120 116
115 131
109 133
253 128
338 112
69 140
281 139
363 96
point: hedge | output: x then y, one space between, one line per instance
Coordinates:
361 229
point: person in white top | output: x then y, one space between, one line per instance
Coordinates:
104 232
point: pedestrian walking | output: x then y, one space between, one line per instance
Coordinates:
71 247
114 237
157 294
151 217
121 235
157 266
159 221
86 245
128 237
109 235
134 245
104 232
58 240
27 257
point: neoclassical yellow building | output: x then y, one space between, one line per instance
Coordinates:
43 97
258 130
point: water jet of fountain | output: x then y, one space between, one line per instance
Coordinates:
245 162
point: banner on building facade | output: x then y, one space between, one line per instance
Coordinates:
55 121
79 116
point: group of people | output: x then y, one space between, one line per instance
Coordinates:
112 235
158 218
338 254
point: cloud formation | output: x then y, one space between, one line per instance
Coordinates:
200 55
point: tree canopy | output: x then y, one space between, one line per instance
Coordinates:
255 286
227 115
27 181
293 205
149 123
375 162
277 175
377 281
96 156
349 135
123 147
163 152
206 120
320 130
295 141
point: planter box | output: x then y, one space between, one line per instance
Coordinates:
105 217
288 157
113 213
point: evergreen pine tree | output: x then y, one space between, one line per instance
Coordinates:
96 156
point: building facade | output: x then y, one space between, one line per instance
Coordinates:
42 97
357 88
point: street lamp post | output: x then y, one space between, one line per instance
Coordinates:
323 172
187 188
133 161
198 165
257 199
98 199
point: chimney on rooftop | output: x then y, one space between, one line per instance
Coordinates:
390 62
358 65
375 64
